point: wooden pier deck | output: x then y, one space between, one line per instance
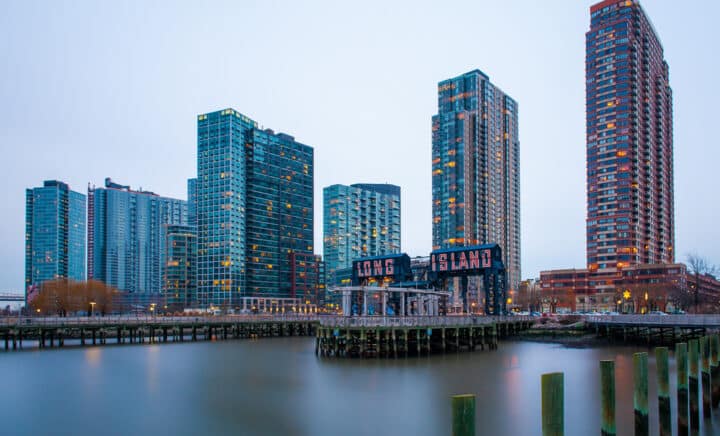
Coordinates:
412 336
54 332
652 329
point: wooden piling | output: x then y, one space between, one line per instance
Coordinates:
681 360
663 391
715 369
693 385
705 373
463 413
553 407
640 395
607 398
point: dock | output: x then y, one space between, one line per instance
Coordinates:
392 337
55 331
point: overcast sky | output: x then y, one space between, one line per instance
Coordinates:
99 89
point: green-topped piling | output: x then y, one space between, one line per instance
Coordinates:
463 414
693 385
663 391
553 407
607 398
640 393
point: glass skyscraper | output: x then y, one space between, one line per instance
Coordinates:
126 237
476 169
180 267
192 201
359 220
54 233
254 208
630 216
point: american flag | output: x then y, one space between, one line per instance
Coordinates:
32 293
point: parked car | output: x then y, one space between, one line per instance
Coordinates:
657 312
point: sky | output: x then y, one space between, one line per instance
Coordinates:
92 89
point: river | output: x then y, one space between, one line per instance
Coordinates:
278 386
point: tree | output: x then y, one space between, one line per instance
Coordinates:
62 297
698 266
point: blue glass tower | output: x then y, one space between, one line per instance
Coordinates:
126 241
54 233
476 168
180 267
254 208
192 201
359 220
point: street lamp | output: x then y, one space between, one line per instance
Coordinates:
152 309
92 308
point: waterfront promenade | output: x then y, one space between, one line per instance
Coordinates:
55 331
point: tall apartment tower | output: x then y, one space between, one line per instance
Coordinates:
179 285
630 217
254 208
359 220
127 236
476 168
54 233
192 201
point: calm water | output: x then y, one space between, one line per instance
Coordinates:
278 386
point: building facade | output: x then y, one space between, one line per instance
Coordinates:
254 208
54 233
476 168
630 217
126 241
192 201
630 213
359 220
179 276
639 288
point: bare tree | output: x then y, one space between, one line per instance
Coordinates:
698 266
62 297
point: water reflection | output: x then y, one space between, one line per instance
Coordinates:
278 386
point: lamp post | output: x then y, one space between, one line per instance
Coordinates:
92 308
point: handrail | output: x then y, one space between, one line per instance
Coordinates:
147 320
415 321
661 320
324 320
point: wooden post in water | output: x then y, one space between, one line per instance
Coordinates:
693 386
681 361
706 390
640 396
715 369
663 390
607 397
553 407
463 412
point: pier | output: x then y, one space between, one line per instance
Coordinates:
54 332
652 329
368 336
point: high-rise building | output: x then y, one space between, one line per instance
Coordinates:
54 233
254 208
359 220
630 217
126 241
476 168
180 266
192 201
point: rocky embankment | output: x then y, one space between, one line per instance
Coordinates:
567 329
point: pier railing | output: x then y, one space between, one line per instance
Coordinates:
144 320
329 321
657 320
415 321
